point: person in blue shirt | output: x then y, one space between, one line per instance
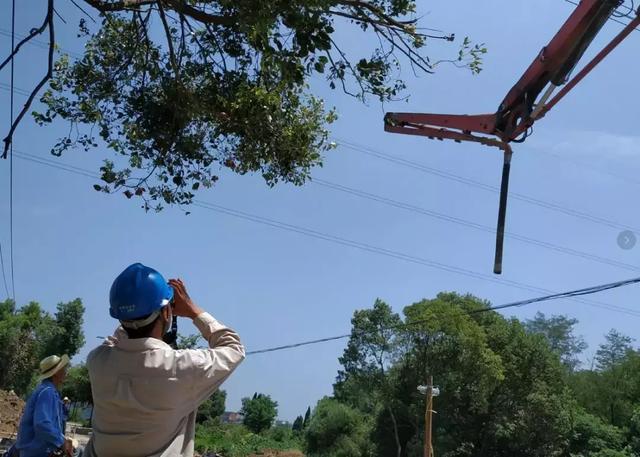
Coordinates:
41 431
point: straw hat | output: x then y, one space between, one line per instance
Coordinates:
51 365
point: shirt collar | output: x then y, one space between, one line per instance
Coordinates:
141 344
48 383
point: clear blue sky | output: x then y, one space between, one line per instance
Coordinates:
277 287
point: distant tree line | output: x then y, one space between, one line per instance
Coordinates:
507 388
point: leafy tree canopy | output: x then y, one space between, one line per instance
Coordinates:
179 90
259 412
213 408
558 331
77 385
28 334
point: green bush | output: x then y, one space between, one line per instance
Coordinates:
337 430
592 436
259 412
238 441
213 408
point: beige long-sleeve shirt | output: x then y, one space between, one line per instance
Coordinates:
146 394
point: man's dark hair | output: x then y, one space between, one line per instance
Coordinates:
142 332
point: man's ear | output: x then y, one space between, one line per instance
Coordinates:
165 312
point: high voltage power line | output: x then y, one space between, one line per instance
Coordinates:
396 254
573 293
433 214
351 243
473 183
465 223
470 182
480 185
38 43
412 208
587 166
477 184
33 41
467 181
7 87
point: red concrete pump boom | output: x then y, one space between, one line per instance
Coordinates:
529 100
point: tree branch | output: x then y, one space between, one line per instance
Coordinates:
203 50
183 45
48 22
147 41
358 4
32 34
212 36
182 7
348 63
84 11
369 20
167 31
121 5
64 21
413 56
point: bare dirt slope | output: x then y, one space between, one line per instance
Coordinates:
10 411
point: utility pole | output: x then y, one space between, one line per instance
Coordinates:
428 450
429 391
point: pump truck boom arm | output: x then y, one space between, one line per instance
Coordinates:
528 100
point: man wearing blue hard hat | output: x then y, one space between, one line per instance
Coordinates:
146 393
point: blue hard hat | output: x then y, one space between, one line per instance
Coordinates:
137 292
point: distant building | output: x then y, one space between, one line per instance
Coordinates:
230 417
